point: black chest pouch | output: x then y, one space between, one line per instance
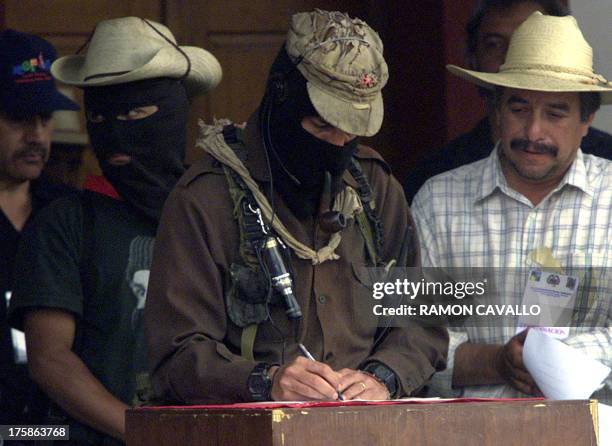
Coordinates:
247 296
264 276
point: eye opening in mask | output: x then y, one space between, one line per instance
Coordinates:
139 113
133 114
319 122
323 130
93 117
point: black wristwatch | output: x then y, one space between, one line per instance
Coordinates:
384 374
260 383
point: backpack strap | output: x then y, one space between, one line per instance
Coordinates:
251 232
247 342
249 228
368 237
369 224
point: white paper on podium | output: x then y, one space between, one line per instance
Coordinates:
560 371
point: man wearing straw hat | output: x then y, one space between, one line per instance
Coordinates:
258 271
536 202
488 33
84 268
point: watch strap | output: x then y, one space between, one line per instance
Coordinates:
383 374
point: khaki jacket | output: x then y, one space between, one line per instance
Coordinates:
194 348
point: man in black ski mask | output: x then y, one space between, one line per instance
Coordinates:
138 133
227 305
299 158
85 350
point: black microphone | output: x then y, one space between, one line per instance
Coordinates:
281 279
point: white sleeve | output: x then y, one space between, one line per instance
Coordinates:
441 383
596 344
423 216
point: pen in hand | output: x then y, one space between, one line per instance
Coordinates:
308 355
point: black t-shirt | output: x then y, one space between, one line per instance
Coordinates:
90 256
16 389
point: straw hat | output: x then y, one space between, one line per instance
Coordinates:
130 49
67 127
546 53
342 61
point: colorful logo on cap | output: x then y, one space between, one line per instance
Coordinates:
32 70
368 80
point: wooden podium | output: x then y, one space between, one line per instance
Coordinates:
498 423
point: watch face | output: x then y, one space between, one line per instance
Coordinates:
382 372
260 383
257 384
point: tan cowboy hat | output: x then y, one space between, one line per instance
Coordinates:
130 49
546 53
342 61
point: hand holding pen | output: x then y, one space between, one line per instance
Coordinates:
306 353
356 383
305 379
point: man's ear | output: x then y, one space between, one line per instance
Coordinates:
587 124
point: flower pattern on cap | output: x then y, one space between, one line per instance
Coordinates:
367 80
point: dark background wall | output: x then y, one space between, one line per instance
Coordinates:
421 100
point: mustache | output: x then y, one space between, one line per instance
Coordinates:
32 149
524 144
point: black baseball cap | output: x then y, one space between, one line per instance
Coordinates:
26 85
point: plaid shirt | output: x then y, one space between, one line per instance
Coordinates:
470 217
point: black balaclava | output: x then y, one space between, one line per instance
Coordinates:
306 157
156 143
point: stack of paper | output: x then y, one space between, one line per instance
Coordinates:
560 371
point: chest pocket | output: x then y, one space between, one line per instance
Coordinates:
365 278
